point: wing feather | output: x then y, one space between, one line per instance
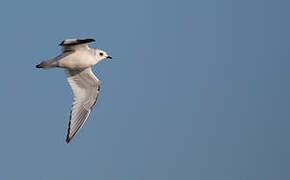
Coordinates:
71 42
85 86
75 44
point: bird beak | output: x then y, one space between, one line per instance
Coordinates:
109 57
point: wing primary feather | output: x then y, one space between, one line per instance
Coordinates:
71 42
74 128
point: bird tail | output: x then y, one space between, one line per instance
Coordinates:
46 64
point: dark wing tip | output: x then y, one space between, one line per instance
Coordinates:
68 130
62 42
89 40
67 139
76 41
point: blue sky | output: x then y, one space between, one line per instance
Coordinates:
197 90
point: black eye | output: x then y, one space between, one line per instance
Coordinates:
101 54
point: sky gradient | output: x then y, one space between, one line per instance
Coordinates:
196 90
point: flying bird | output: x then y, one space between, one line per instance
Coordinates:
77 59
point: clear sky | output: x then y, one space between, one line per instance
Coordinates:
198 90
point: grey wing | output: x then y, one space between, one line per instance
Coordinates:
85 86
75 44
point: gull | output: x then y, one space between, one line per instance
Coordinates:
77 59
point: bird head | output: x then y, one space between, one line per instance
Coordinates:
101 55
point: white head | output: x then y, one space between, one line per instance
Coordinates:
100 55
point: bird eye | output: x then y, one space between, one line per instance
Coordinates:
101 54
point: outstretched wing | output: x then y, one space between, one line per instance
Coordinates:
75 44
86 87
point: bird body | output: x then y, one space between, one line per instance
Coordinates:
77 59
